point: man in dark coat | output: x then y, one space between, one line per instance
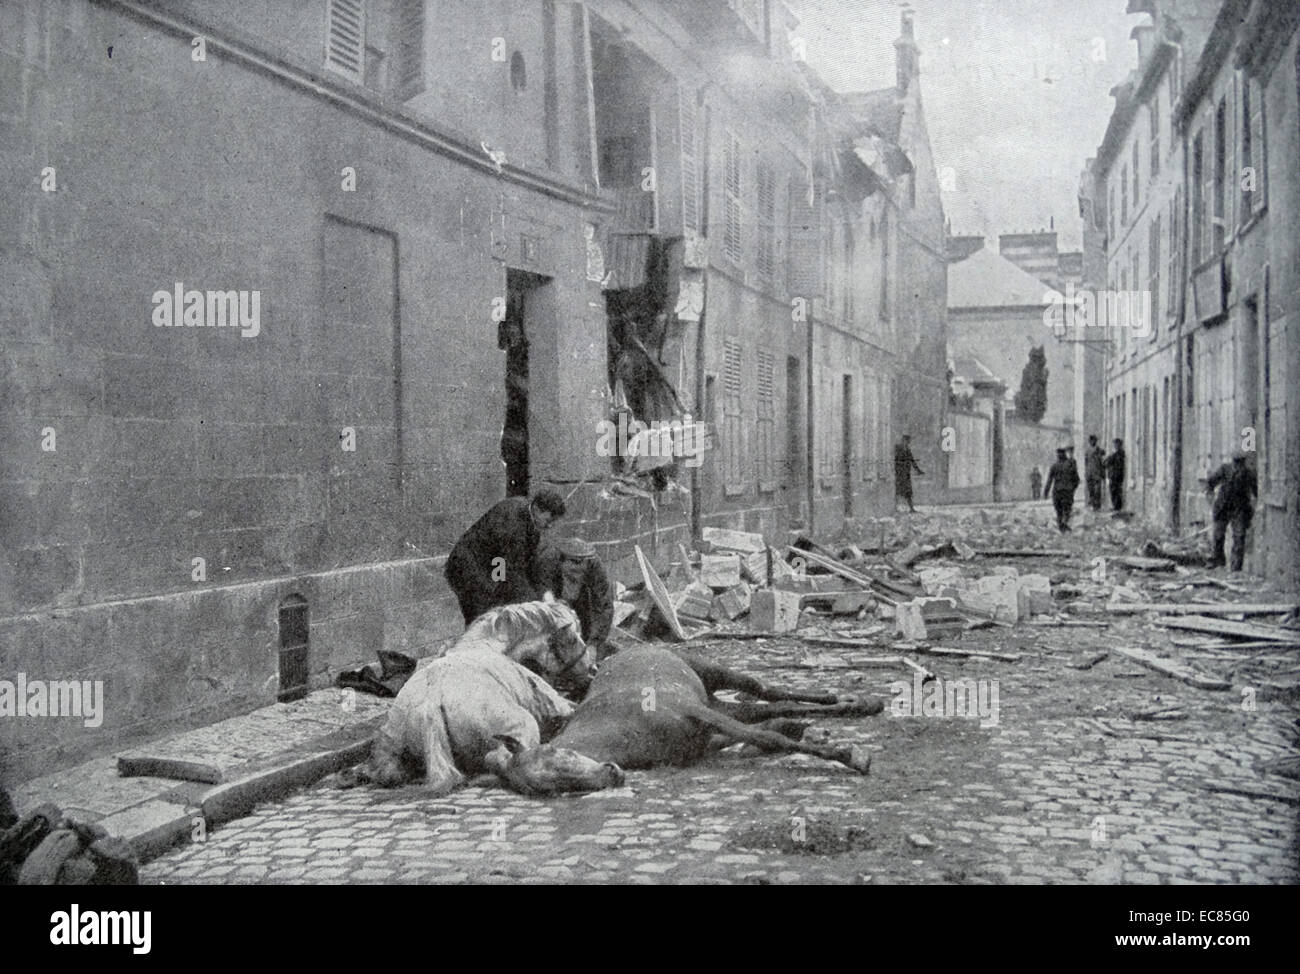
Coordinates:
1062 482
904 463
1094 470
571 570
1235 502
1115 464
493 563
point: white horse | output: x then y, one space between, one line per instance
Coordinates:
481 698
544 636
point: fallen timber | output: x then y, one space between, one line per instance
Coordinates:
1222 627
1204 608
1174 668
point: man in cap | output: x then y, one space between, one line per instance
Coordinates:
1094 470
493 562
904 463
1062 482
1115 465
570 569
1234 502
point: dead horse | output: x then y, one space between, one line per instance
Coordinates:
650 706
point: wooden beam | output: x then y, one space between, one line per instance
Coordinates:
1204 608
1224 627
1174 668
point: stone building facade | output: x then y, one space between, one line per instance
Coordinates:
1195 158
460 246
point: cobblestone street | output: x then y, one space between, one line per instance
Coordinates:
1048 795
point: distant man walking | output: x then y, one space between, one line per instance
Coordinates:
1062 482
904 463
493 563
1235 502
1094 470
1115 465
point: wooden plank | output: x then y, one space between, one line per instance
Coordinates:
655 586
1023 553
968 653
1223 627
1174 668
1205 608
830 564
1144 564
1249 644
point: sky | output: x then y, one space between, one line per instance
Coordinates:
1016 94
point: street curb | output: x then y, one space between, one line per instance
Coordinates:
234 799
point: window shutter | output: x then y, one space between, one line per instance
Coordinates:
766 421
345 38
1153 270
409 44
732 229
1258 199
733 452
1175 245
765 259
688 129
804 250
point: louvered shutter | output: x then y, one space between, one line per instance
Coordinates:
733 432
804 254
733 228
409 44
1258 199
1153 270
688 129
765 259
766 421
345 38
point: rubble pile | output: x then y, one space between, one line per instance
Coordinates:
907 583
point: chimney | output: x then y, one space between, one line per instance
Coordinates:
907 54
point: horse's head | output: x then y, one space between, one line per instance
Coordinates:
549 770
546 637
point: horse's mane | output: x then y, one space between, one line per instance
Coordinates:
520 621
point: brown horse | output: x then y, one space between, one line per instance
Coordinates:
650 706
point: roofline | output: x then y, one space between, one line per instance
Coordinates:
1213 57
1128 102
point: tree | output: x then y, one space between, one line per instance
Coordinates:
1031 400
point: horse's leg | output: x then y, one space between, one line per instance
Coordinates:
793 729
440 771
715 677
854 757
748 712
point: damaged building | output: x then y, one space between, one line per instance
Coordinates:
481 243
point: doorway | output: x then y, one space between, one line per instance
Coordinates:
513 335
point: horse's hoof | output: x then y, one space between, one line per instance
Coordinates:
862 706
859 759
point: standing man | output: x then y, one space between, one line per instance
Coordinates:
1115 464
1035 482
1094 468
1062 481
570 569
1074 468
493 563
1235 502
904 463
